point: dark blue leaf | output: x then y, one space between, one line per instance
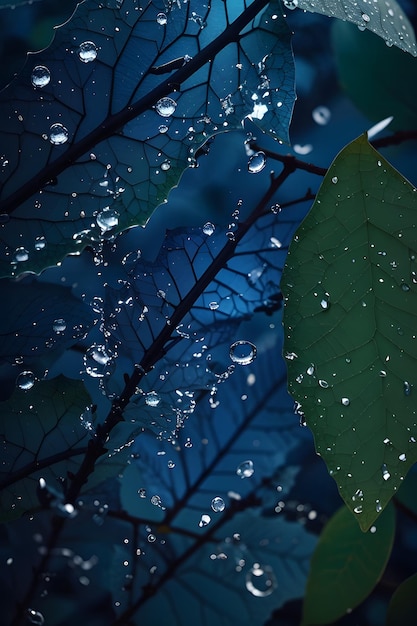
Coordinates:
98 128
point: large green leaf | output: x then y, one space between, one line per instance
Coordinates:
42 436
385 18
403 606
350 287
346 566
381 81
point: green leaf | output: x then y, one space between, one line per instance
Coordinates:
42 436
403 606
407 494
350 285
381 81
346 566
385 18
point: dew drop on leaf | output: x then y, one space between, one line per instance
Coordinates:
310 370
107 219
152 398
345 401
163 129
41 76
407 388
256 162
321 115
35 617
20 255
290 4
385 473
87 51
323 384
156 500
165 166
204 521
165 107
217 504
151 538
161 18
335 180
209 228
25 380
260 581
213 306
40 243
58 134
242 352
59 325
245 469
97 361
402 457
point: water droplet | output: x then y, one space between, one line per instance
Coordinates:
385 473
59 325
40 243
383 373
407 388
41 76
242 352
20 255
378 507
87 51
260 581
358 509
299 378
151 538
366 17
245 469
310 370
204 521
58 134
335 180
165 107
321 115
402 457
325 304
25 380
209 228
291 4
165 166
405 287
163 129
98 362
323 383
142 493
345 401
152 398
256 162
213 306
156 500
161 18
276 208
218 504
107 219
171 464
35 617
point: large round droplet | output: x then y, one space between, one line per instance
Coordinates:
209 228
107 219
58 134
98 362
161 18
25 380
242 352
245 469
256 162
152 398
20 255
260 580
165 107
41 76
217 504
59 325
87 51
204 521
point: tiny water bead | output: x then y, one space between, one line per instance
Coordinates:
161 18
245 469
152 398
218 505
407 388
87 51
208 229
107 219
59 325
213 306
58 134
321 115
165 107
345 401
41 76
163 129
335 180
243 352
20 255
204 521
165 166
35 617
40 243
291 4
256 162
97 361
260 581
151 538
385 473
25 380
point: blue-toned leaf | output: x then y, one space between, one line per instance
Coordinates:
98 128
385 18
39 321
42 436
